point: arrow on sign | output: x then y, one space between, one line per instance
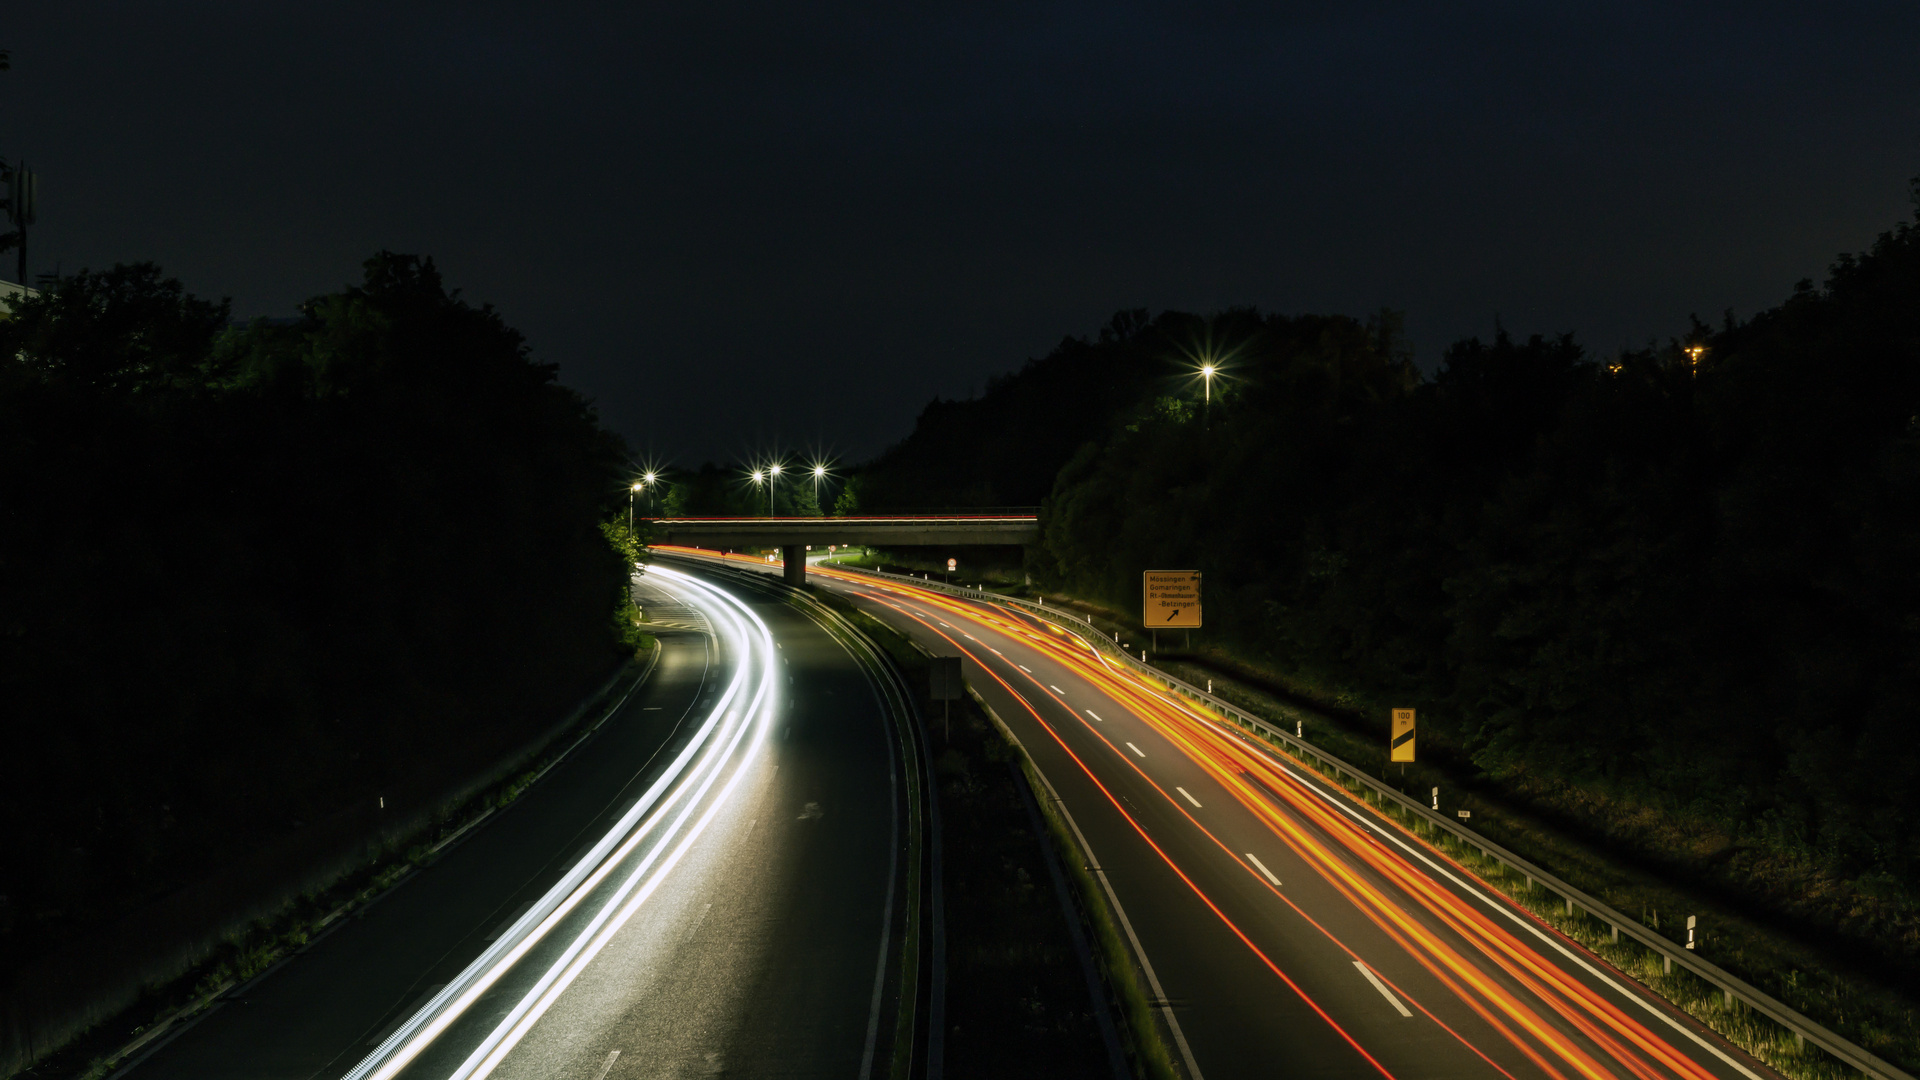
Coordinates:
1176 611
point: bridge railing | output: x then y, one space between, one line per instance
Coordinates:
1673 954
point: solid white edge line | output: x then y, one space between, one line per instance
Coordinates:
403 1045
1382 987
1291 771
1188 797
426 1025
1262 867
508 1033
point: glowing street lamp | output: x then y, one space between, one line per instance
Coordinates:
1206 375
819 472
637 484
773 476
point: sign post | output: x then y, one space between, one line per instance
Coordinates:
945 684
1401 748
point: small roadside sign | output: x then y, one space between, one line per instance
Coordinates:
1170 599
953 564
1402 744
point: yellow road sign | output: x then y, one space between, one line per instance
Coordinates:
1170 599
1402 744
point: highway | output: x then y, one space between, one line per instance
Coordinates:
710 884
1289 929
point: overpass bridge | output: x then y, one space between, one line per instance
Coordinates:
792 535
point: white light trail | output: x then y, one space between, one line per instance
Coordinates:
682 785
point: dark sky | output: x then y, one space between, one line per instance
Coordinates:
739 225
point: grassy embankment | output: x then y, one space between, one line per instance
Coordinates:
280 933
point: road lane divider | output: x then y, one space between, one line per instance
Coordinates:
1262 867
1184 794
1382 987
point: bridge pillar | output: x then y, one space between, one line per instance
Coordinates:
795 556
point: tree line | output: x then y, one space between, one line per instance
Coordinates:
254 576
1687 575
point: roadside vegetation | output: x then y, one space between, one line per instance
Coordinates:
268 594
1664 603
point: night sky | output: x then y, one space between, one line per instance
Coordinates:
746 226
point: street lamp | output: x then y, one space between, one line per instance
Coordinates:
773 476
1206 375
636 487
647 481
819 471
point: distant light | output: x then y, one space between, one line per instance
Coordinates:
775 470
637 485
756 477
1207 370
651 477
819 470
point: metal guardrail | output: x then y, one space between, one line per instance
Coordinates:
1733 987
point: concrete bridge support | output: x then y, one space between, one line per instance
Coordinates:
795 558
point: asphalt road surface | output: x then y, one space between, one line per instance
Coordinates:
744 799
1291 930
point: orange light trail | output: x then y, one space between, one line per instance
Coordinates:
1301 818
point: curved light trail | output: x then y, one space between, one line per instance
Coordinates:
638 854
1475 945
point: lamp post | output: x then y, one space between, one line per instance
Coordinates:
757 478
647 482
818 472
773 476
636 487
1206 375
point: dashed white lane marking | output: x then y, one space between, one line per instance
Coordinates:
1055 689
995 651
968 636
1136 750
608 1067
1024 668
1189 798
697 920
1095 715
1382 987
1262 867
